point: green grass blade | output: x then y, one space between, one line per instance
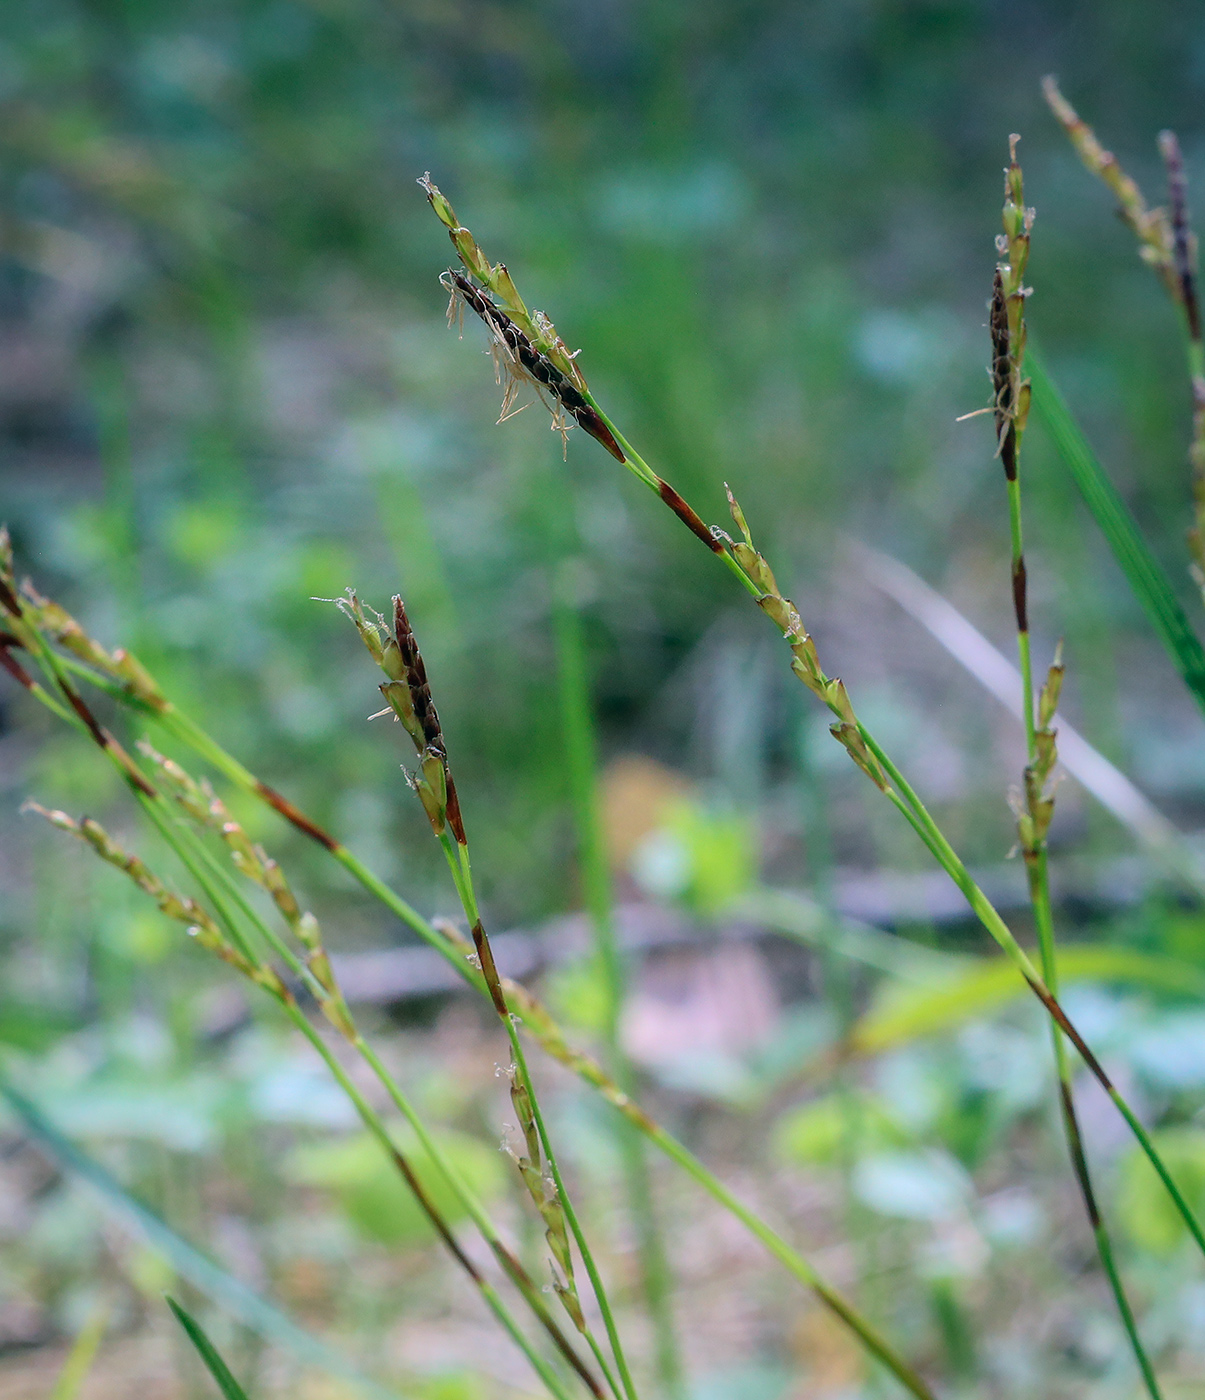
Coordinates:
188 1261
209 1354
1147 577
988 984
80 1357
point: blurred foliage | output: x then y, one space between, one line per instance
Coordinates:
375 1198
227 389
770 227
1140 1203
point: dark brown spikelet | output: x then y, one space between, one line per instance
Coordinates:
281 804
8 600
1002 383
424 709
416 677
534 364
688 516
1020 603
1182 239
12 665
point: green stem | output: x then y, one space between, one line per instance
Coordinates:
1023 648
1038 878
472 1206
377 1128
1039 884
917 816
458 860
213 876
793 1262
189 733
582 763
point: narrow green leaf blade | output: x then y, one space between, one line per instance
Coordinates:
188 1261
985 986
1147 577
208 1353
82 1354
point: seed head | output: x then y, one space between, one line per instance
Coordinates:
1151 226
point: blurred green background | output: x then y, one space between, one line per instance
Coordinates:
227 388
227 385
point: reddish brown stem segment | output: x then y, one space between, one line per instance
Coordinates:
689 516
290 813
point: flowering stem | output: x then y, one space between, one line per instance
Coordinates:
457 853
582 764
535 1018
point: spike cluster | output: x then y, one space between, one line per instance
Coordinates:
199 922
495 278
526 345
1183 240
804 660
1037 808
251 860
1184 258
1150 226
524 363
408 693
1007 324
543 1192
1166 242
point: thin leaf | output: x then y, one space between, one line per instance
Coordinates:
208 1353
80 1357
204 1275
905 1015
1147 577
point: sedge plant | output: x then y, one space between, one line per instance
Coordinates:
1167 244
34 623
236 933
1035 801
582 764
528 353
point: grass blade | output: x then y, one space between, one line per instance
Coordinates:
1147 577
208 1353
188 1261
972 650
80 1357
986 985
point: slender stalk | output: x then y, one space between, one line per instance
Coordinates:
794 1263
1036 805
218 887
582 765
377 1128
1043 918
918 817
457 853
535 1017
537 1021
